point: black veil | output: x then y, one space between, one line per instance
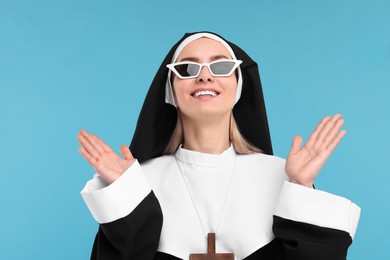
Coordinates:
157 119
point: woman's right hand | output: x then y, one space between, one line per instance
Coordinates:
102 158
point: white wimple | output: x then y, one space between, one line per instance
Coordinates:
205 93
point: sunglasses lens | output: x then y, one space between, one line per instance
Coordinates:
187 70
222 68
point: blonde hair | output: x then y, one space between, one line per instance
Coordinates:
241 146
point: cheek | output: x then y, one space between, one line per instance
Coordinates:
179 90
230 86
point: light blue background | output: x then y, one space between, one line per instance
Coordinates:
72 64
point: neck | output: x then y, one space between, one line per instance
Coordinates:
207 136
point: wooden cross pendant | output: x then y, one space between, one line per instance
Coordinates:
211 255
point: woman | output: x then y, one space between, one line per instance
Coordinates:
218 187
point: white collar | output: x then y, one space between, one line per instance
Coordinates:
205 159
247 220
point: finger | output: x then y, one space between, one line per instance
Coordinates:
327 127
87 157
126 153
87 146
296 144
333 132
333 144
92 141
105 146
313 137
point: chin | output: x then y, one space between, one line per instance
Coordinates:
208 112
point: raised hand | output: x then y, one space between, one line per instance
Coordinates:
304 164
102 158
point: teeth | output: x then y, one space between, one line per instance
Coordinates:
205 93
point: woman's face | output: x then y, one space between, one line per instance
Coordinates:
223 89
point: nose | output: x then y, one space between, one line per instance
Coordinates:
205 75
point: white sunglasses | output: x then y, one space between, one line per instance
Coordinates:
189 69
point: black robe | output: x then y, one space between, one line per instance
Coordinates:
137 235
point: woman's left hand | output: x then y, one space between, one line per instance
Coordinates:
304 164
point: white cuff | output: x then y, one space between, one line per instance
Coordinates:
306 205
120 198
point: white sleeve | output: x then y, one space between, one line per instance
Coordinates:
108 203
311 206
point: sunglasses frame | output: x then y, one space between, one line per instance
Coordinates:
201 65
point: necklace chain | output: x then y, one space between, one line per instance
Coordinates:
193 201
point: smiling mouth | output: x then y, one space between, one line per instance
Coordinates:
204 93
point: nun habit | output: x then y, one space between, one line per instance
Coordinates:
164 206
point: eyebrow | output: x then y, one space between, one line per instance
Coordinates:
213 58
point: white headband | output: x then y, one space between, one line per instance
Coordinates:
169 98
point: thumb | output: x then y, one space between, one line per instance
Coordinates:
296 144
125 151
